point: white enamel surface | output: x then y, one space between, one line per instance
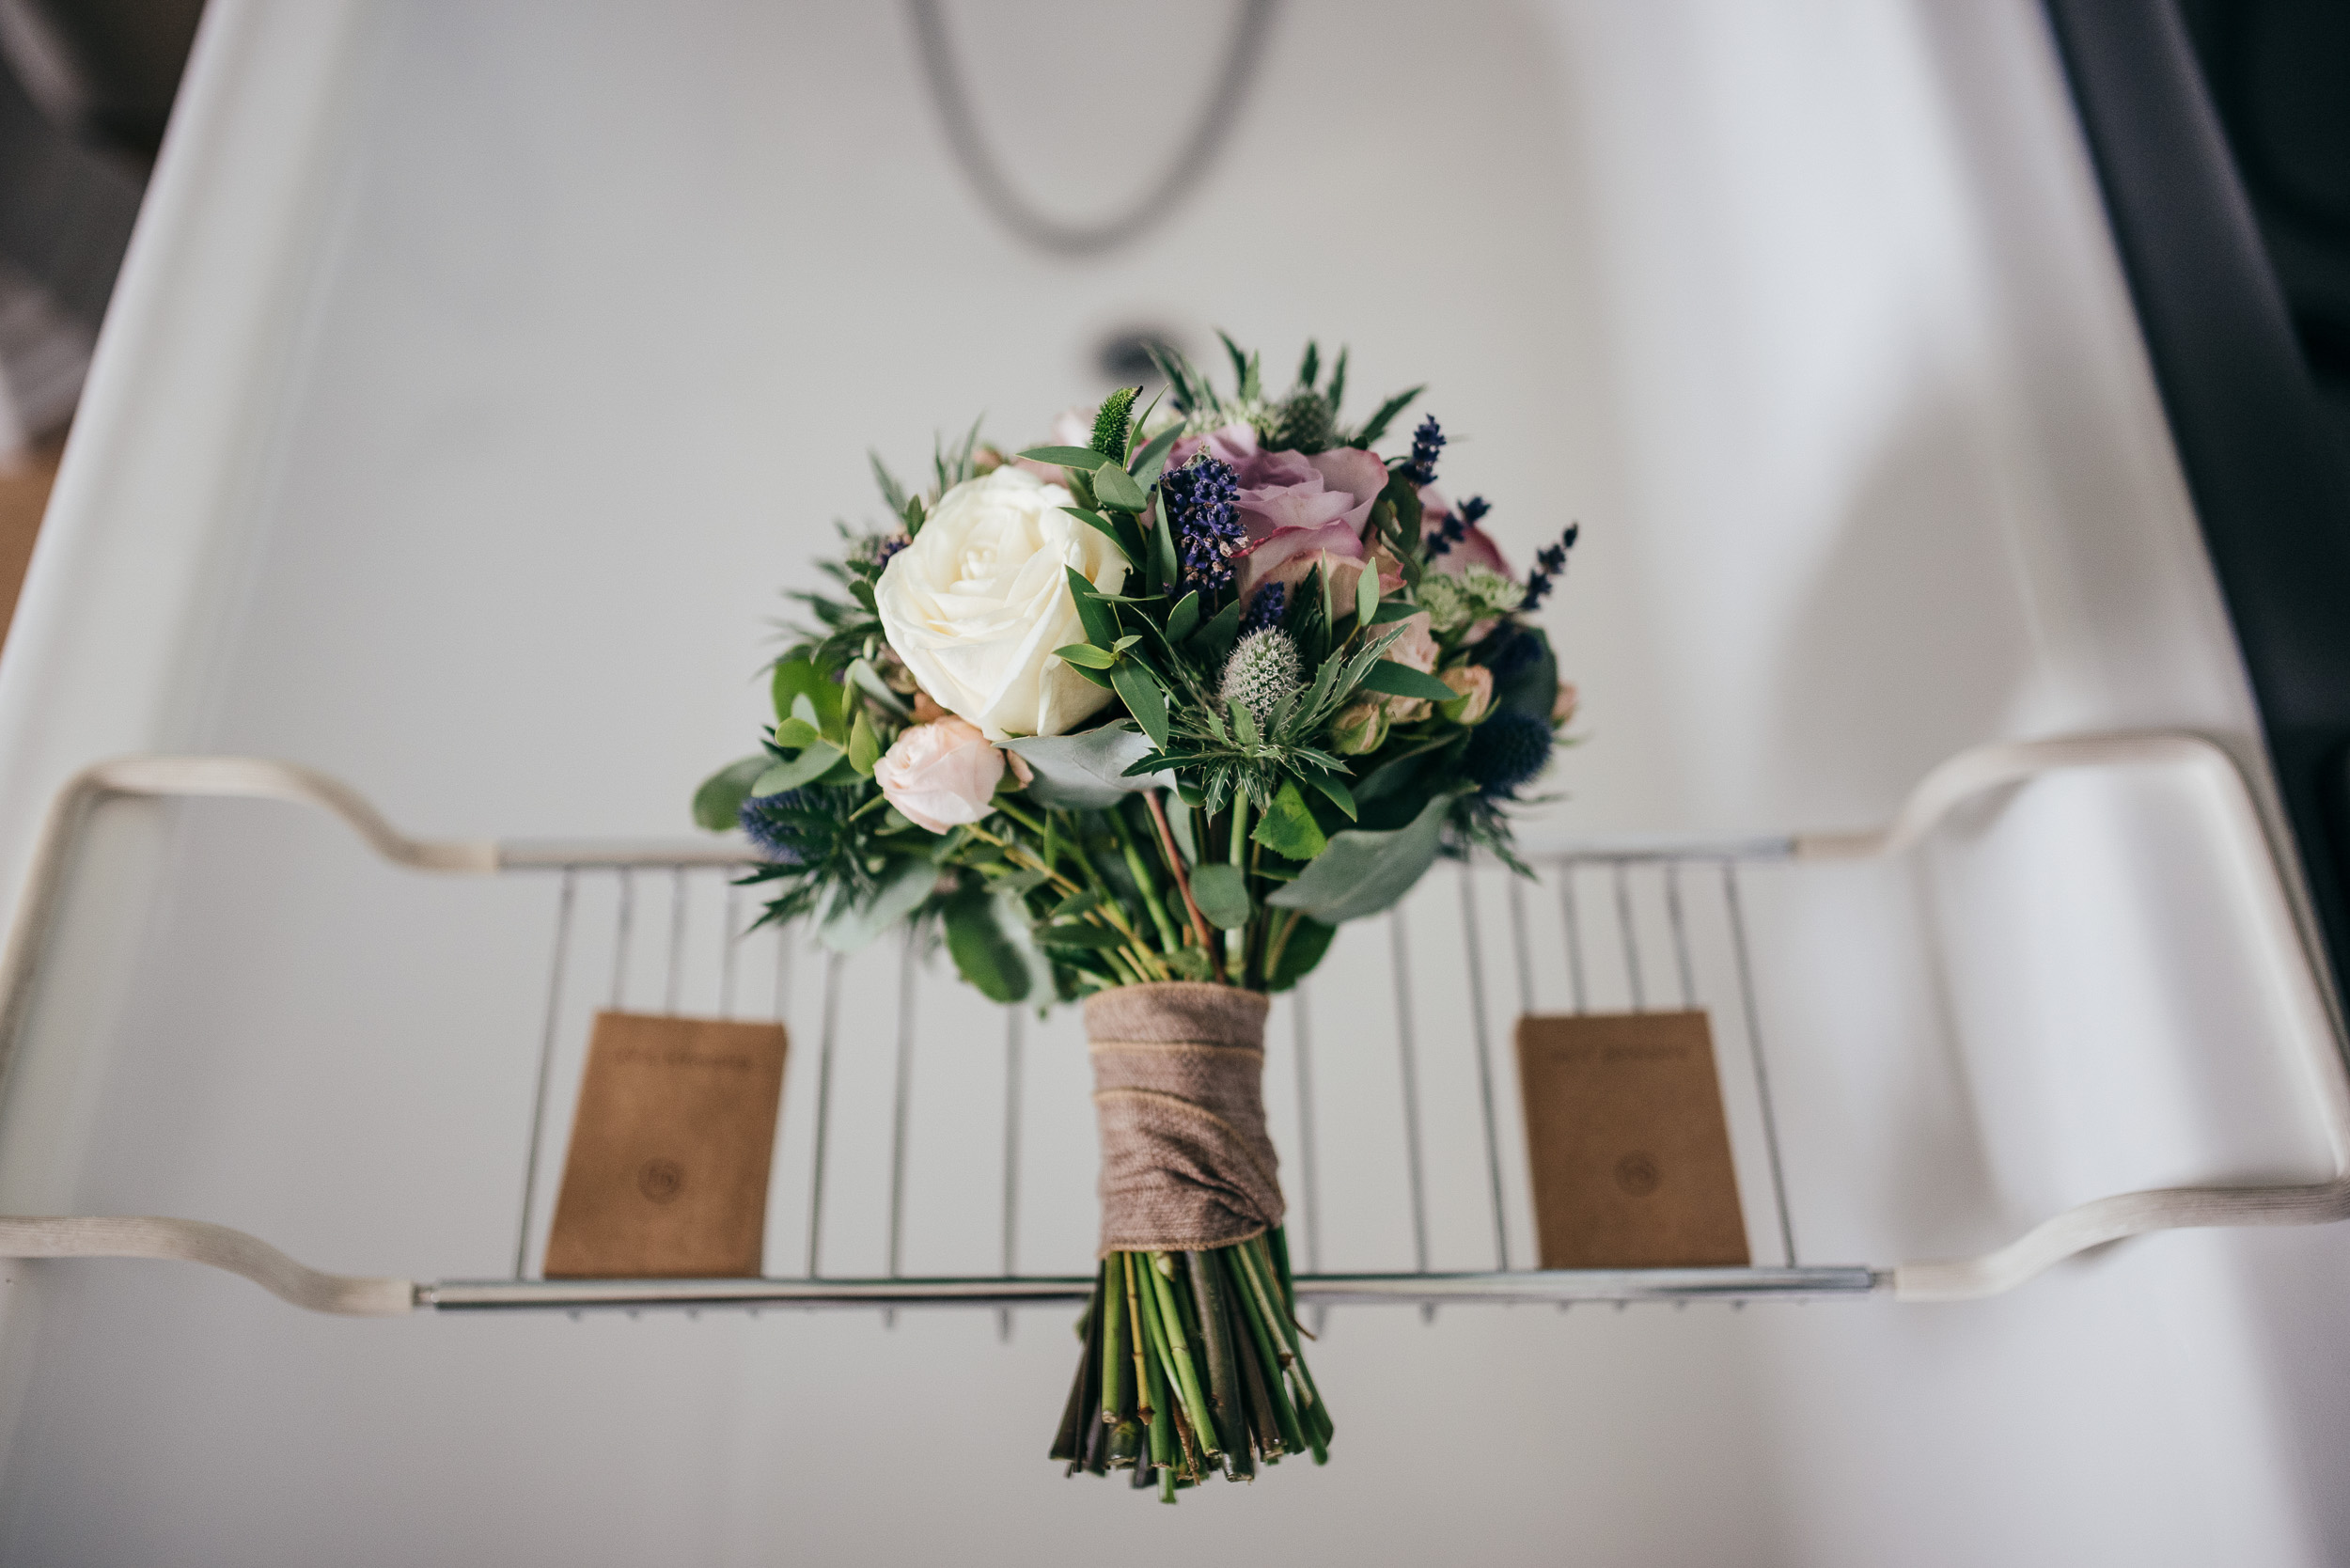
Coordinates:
480 372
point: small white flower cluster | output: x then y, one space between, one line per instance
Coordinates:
1480 593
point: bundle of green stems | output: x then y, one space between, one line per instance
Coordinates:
1194 1362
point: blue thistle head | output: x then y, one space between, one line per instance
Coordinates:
1200 509
1507 750
778 826
1509 651
1427 442
1266 609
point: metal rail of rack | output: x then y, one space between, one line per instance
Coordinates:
1626 911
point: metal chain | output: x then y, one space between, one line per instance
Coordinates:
1014 211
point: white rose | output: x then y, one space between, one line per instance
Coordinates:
977 603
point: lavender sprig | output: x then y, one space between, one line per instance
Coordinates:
1456 525
1427 442
1266 608
1200 509
1547 565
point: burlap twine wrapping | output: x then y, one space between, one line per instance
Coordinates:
1178 1093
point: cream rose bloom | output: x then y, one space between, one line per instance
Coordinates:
977 603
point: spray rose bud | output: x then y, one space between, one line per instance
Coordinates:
1474 683
1360 728
1562 708
940 774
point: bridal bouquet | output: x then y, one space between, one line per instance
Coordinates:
1138 721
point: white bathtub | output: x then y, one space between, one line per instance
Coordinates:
480 373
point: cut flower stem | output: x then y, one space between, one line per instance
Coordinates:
1192 1363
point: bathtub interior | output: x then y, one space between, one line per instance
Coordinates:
1808 319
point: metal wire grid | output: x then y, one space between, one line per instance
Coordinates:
1629 948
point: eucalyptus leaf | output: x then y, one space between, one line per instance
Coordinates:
1222 894
1366 597
904 887
1213 641
1362 872
796 678
1179 824
1087 654
1115 487
1087 770
718 803
794 734
1337 794
1183 618
1144 700
1162 542
867 680
1403 681
812 763
1394 610
1150 463
1096 521
1067 457
1100 623
1308 940
984 954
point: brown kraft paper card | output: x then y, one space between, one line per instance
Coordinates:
1626 1133
666 1176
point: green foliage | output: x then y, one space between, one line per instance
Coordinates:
1116 487
1114 422
1395 680
718 803
979 942
1364 872
856 916
1308 940
1084 459
1222 894
1287 828
1086 769
1376 426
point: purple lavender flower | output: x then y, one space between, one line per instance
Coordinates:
1456 525
1427 442
1547 565
1200 509
1265 609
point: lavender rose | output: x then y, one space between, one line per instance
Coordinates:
1299 511
1472 545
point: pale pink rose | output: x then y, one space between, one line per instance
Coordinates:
1414 649
1417 648
1475 684
940 774
1474 548
1562 707
1072 427
1298 511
